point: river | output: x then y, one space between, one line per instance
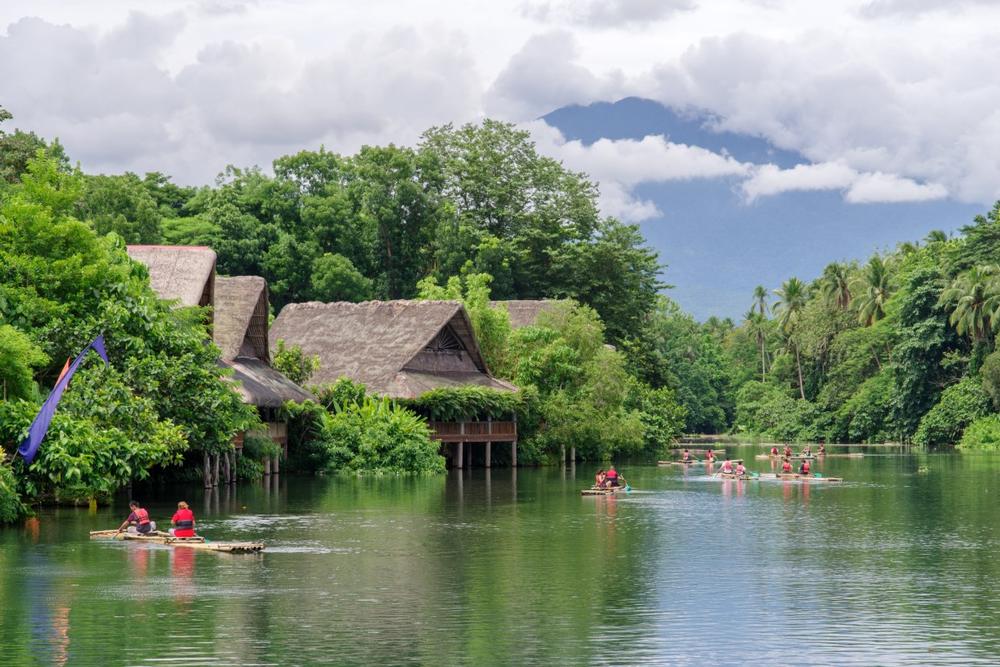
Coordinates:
897 565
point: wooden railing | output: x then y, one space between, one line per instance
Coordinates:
474 431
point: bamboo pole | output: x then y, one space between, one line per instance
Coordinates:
207 472
489 454
274 465
267 467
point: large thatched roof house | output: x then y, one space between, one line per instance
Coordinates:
400 349
185 274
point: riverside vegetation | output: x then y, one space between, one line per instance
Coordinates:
899 348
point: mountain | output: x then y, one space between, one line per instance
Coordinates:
717 246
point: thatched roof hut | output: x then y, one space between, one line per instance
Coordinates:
399 349
185 274
240 331
525 312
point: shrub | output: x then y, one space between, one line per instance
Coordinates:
11 507
959 405
868 415
983 433
990 372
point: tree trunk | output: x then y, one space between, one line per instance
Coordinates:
798 363
763 363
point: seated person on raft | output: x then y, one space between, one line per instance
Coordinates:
612 477
599 479
786 466
139 519
804 468
182 521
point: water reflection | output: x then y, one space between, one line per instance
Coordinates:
515 567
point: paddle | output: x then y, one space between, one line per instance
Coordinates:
628 487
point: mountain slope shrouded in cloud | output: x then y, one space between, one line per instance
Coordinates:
716 243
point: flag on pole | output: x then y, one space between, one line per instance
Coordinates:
40 426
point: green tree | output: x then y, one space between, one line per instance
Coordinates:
294 364
791 301
18 356
836 284
974 297
334 278
875 290
756 323
123 205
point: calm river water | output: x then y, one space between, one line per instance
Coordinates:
896 566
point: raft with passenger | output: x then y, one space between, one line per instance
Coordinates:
197 542
794 476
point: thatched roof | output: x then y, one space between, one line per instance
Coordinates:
179 273
241 307
261 385
399 349
525 312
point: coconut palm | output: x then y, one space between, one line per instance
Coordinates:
760 299
792 297
874 291
935 236
836 285
757 327
975 299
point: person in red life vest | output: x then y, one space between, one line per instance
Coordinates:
182 521
804 468
727 467
710 456
741 470
774 451
612 477
786 466
139 518
788 452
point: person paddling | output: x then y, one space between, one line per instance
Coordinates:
710 456
741 470
822 450
612 477
804 468
182 521
727 467
807 451
139 518
786 466
788 451
686 456
774 451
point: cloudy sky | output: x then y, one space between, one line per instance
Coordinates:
890 101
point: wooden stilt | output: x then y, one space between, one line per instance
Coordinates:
215 470
227 469
275 464
572 455
267 467
562 455
513 454
207 473
489 454
459 452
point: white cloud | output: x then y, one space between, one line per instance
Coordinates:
879 187
621 165
858 187
607 13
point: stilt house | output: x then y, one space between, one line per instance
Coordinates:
400 349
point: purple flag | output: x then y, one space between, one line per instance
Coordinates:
40 426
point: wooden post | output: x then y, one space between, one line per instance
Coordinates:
459 451
562 455
274 466
489 453
215 470
208 471
513 454
267 467
227 470
572 455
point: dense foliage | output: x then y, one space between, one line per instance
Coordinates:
61 285
900 348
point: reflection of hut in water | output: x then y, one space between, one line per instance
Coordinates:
401 349
241 312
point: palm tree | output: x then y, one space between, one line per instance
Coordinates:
936 236
792 297
875 291
760 299
836 284
975 296
757 327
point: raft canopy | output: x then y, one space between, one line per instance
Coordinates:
399 349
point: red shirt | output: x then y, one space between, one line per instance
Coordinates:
786 466
612 474
184 523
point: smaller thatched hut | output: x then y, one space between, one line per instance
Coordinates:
241 333
185 274
400 349
525 312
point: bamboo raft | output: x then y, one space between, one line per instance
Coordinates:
197 542
732 475
602 492
794 476
695 463
810 457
